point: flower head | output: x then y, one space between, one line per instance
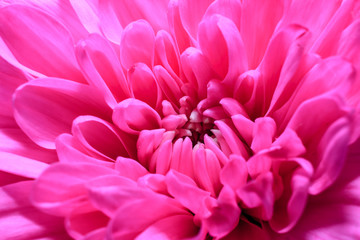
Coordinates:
180 119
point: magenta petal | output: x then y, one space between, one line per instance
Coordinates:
21 166
257 31
128 221
99 137
54 96
234 174
10 79
102 68
333 150
132 116
259 194
118 190
147 143
137 44
220 41
173 227
185 191
143 82
13 140
60 188
39 42
69 150
20 220
263 133
191 14
224 214
130 168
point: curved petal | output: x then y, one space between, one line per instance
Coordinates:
55 96
133 116
102 69
39 42
137 44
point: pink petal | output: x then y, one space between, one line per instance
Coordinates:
183 40
143 82
263 133
289 208
279 49
82 222
166 53
259 194
13 140
290 144
147 143
234 174
20 220
257 31
56 96
170 86
128 221
331 75
235 144
163 160
115 15
133 116
118 191
224 214
244 126
10 79
227 8
220 41
21 166
137 44
191 14
173 227
60 188
99 137
185 191
207 169
197 70
333 150
69 150
130 168
39 42
87 13
102 69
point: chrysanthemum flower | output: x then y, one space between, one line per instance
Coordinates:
226 119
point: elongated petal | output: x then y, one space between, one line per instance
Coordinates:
55 96
20 220
39 42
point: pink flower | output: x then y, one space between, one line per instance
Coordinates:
180 119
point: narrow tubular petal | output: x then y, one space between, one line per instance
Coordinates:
55 97
39 42
102 69
132 116
137 44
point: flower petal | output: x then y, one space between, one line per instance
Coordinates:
55 96
133 116
102 69
39 42
137 44
20 220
